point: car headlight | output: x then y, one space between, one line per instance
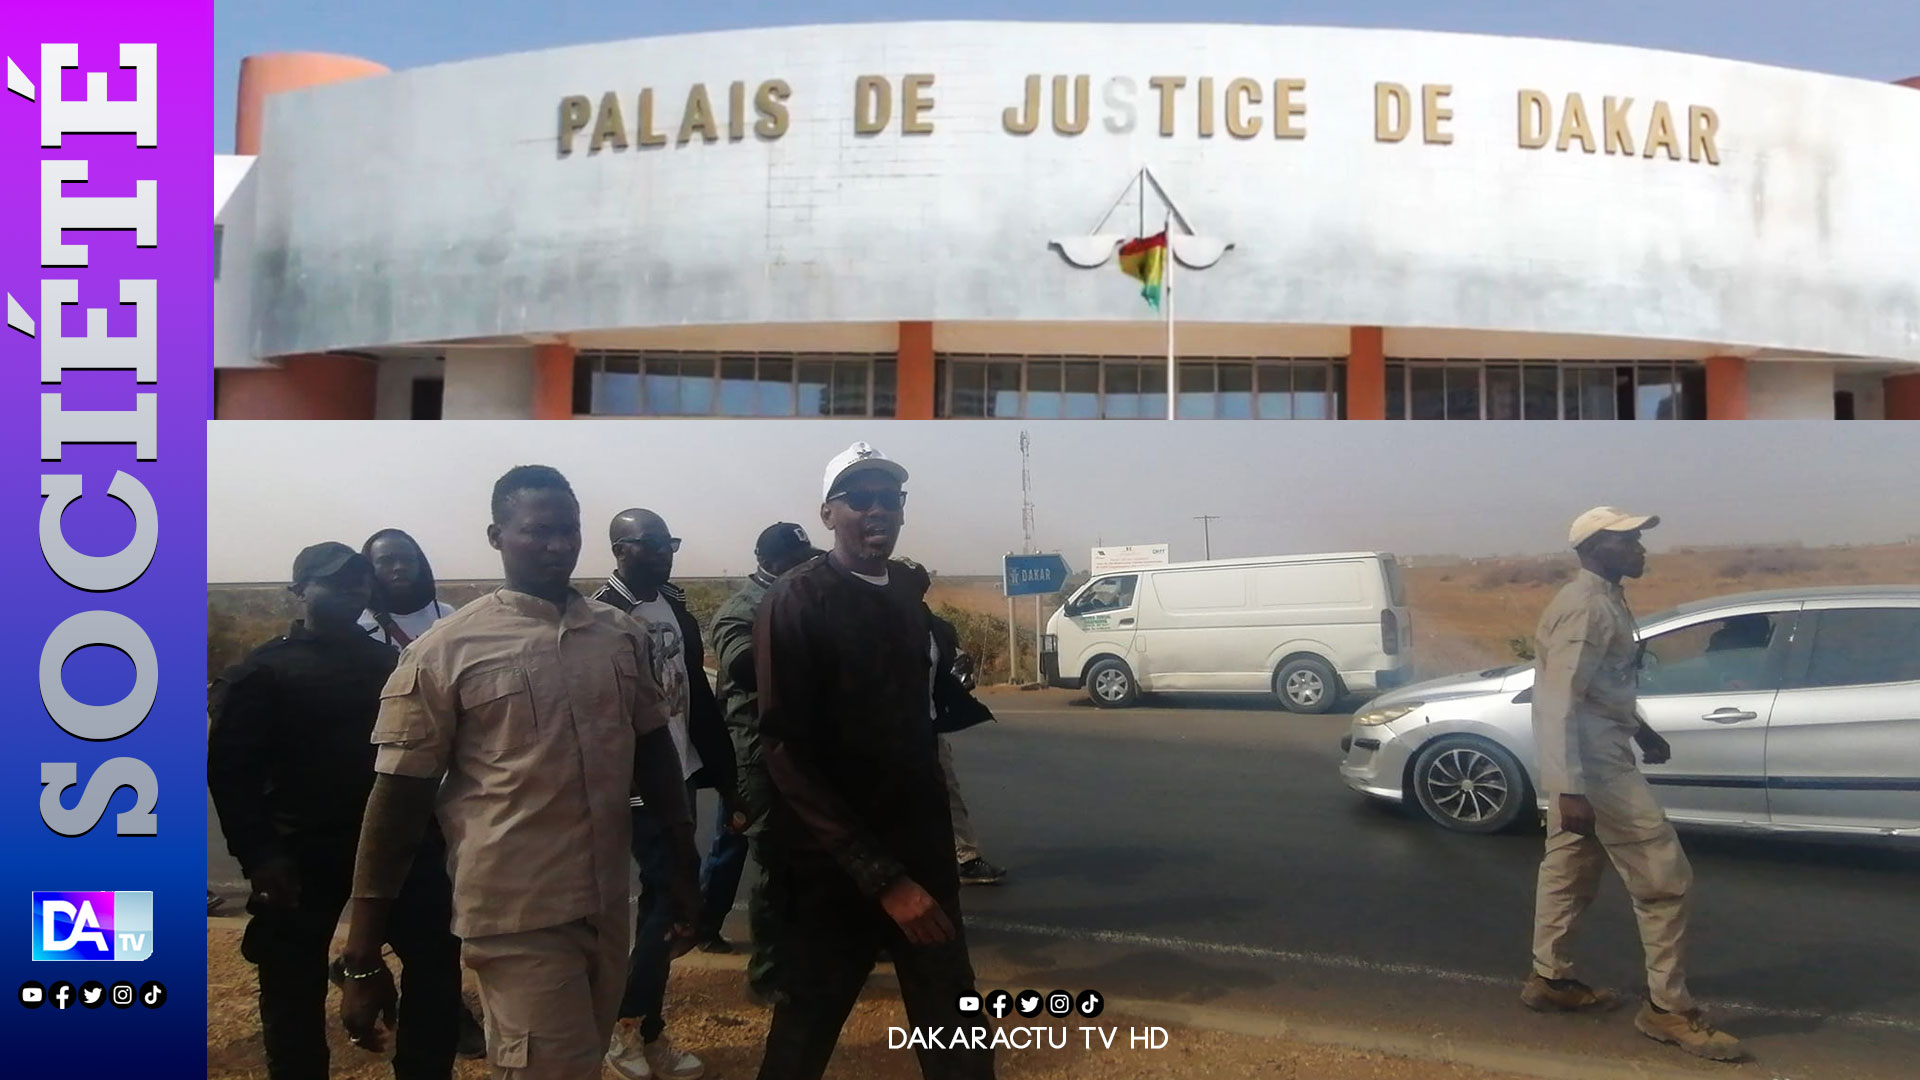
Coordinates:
1387 715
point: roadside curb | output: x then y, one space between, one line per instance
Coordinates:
1539 1064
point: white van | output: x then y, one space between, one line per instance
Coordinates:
1309 629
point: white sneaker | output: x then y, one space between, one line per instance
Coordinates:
670 1063
625 1055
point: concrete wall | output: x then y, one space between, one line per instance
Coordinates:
434 204
489 384
1789 390
235 190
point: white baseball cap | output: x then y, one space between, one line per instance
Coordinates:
1607 519
858 458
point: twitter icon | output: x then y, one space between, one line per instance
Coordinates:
1028 1003
92 995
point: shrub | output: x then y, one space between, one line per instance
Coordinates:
1529 572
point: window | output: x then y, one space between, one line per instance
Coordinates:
1521 390
1866 646
1136 388
1713 657
426 398
1106 594
732 384
1843 408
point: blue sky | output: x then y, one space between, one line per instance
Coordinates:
1872 39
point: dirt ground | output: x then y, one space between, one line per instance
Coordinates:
1467 612
709 1014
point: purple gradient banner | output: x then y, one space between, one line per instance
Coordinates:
106 263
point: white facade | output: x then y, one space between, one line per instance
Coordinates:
462 203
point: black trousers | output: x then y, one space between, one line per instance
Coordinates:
830 936
291 950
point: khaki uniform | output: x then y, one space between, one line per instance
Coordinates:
530 714
1584 717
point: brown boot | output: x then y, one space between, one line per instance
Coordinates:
1690 1032
1571 995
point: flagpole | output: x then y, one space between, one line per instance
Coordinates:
1166 296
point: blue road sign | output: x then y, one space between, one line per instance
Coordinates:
1031 575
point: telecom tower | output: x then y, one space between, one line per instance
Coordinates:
1026 496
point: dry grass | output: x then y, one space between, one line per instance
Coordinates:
708 1014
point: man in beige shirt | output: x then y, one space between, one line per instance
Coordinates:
525 721
1599 806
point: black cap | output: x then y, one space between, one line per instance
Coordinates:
323 560
782 539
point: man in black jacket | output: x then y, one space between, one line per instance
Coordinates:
289 766
847 662
643 551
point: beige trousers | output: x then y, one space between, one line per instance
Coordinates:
965 847
1632 832
550 996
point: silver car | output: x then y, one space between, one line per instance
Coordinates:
1796 710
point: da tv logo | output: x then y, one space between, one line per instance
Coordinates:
92 925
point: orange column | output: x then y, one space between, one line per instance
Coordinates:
1726 388
272 73
302 388
1366 373
914 373
1903 397
553 382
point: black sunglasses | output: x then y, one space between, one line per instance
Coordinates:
863 501
652 543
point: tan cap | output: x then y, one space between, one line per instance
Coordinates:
1607 519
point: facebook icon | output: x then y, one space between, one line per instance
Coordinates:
92 925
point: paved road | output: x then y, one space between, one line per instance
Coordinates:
1208 854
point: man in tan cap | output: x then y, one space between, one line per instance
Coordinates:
1599 807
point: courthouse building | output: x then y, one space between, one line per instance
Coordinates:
922 220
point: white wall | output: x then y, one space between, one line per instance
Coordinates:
433 204
1789 390
393 394
488 384
1869 393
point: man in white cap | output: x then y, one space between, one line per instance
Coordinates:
846 664
1599 806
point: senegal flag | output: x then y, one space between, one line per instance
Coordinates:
1145 260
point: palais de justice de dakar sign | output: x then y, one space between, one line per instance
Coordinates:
1063 104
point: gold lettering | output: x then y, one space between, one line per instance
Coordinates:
644 134
1433 114
1660 133
1168 85
1206 108
698 116
575 112
1574 126
1073 124
1392 112
736 112
1023 118
1618 136
770 102
914 104
609 128
1285 108
1240 94
1702 123
872 104
1536 119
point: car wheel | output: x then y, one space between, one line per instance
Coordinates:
1111 685
1470 785
1307 685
